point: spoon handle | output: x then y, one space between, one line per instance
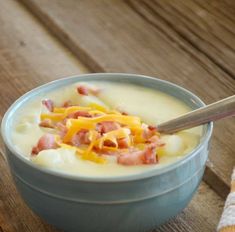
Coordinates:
215 111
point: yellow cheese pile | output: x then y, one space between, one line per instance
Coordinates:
131 130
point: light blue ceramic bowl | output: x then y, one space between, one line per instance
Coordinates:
130 203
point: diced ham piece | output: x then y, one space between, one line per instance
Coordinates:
67 104
156 140
86 90
49 104
82 137
131 158
83 90
79 114
122 143
149 132
109 143
150 156
46 142
62 129
152 128
124 113
47 123
105 127
147 156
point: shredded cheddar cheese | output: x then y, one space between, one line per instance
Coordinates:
74 125
113 136
60 113
97 107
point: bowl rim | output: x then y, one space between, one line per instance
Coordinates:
123 178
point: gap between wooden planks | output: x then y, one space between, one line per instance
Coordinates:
29 58
178 42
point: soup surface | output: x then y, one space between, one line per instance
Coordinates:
132 145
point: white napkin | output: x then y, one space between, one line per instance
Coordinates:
227 221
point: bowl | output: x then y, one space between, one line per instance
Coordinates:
139 202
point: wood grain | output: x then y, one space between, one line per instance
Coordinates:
29 55
202 24
153 38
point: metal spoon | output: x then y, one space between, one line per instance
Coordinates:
215 111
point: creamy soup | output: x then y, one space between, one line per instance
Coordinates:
112 149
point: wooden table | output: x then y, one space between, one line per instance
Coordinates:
191 43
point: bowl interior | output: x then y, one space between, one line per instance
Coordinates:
169 88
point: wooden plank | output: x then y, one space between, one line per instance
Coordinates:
127 36
203 24
29 55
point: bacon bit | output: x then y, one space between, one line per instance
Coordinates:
79 114
67 104
62 129
149 132
148 156
131 158
109 143
124 113
49 104
83 90
46 142
34 151
156 140
105 127
47 123
82 137
122 143
152 128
